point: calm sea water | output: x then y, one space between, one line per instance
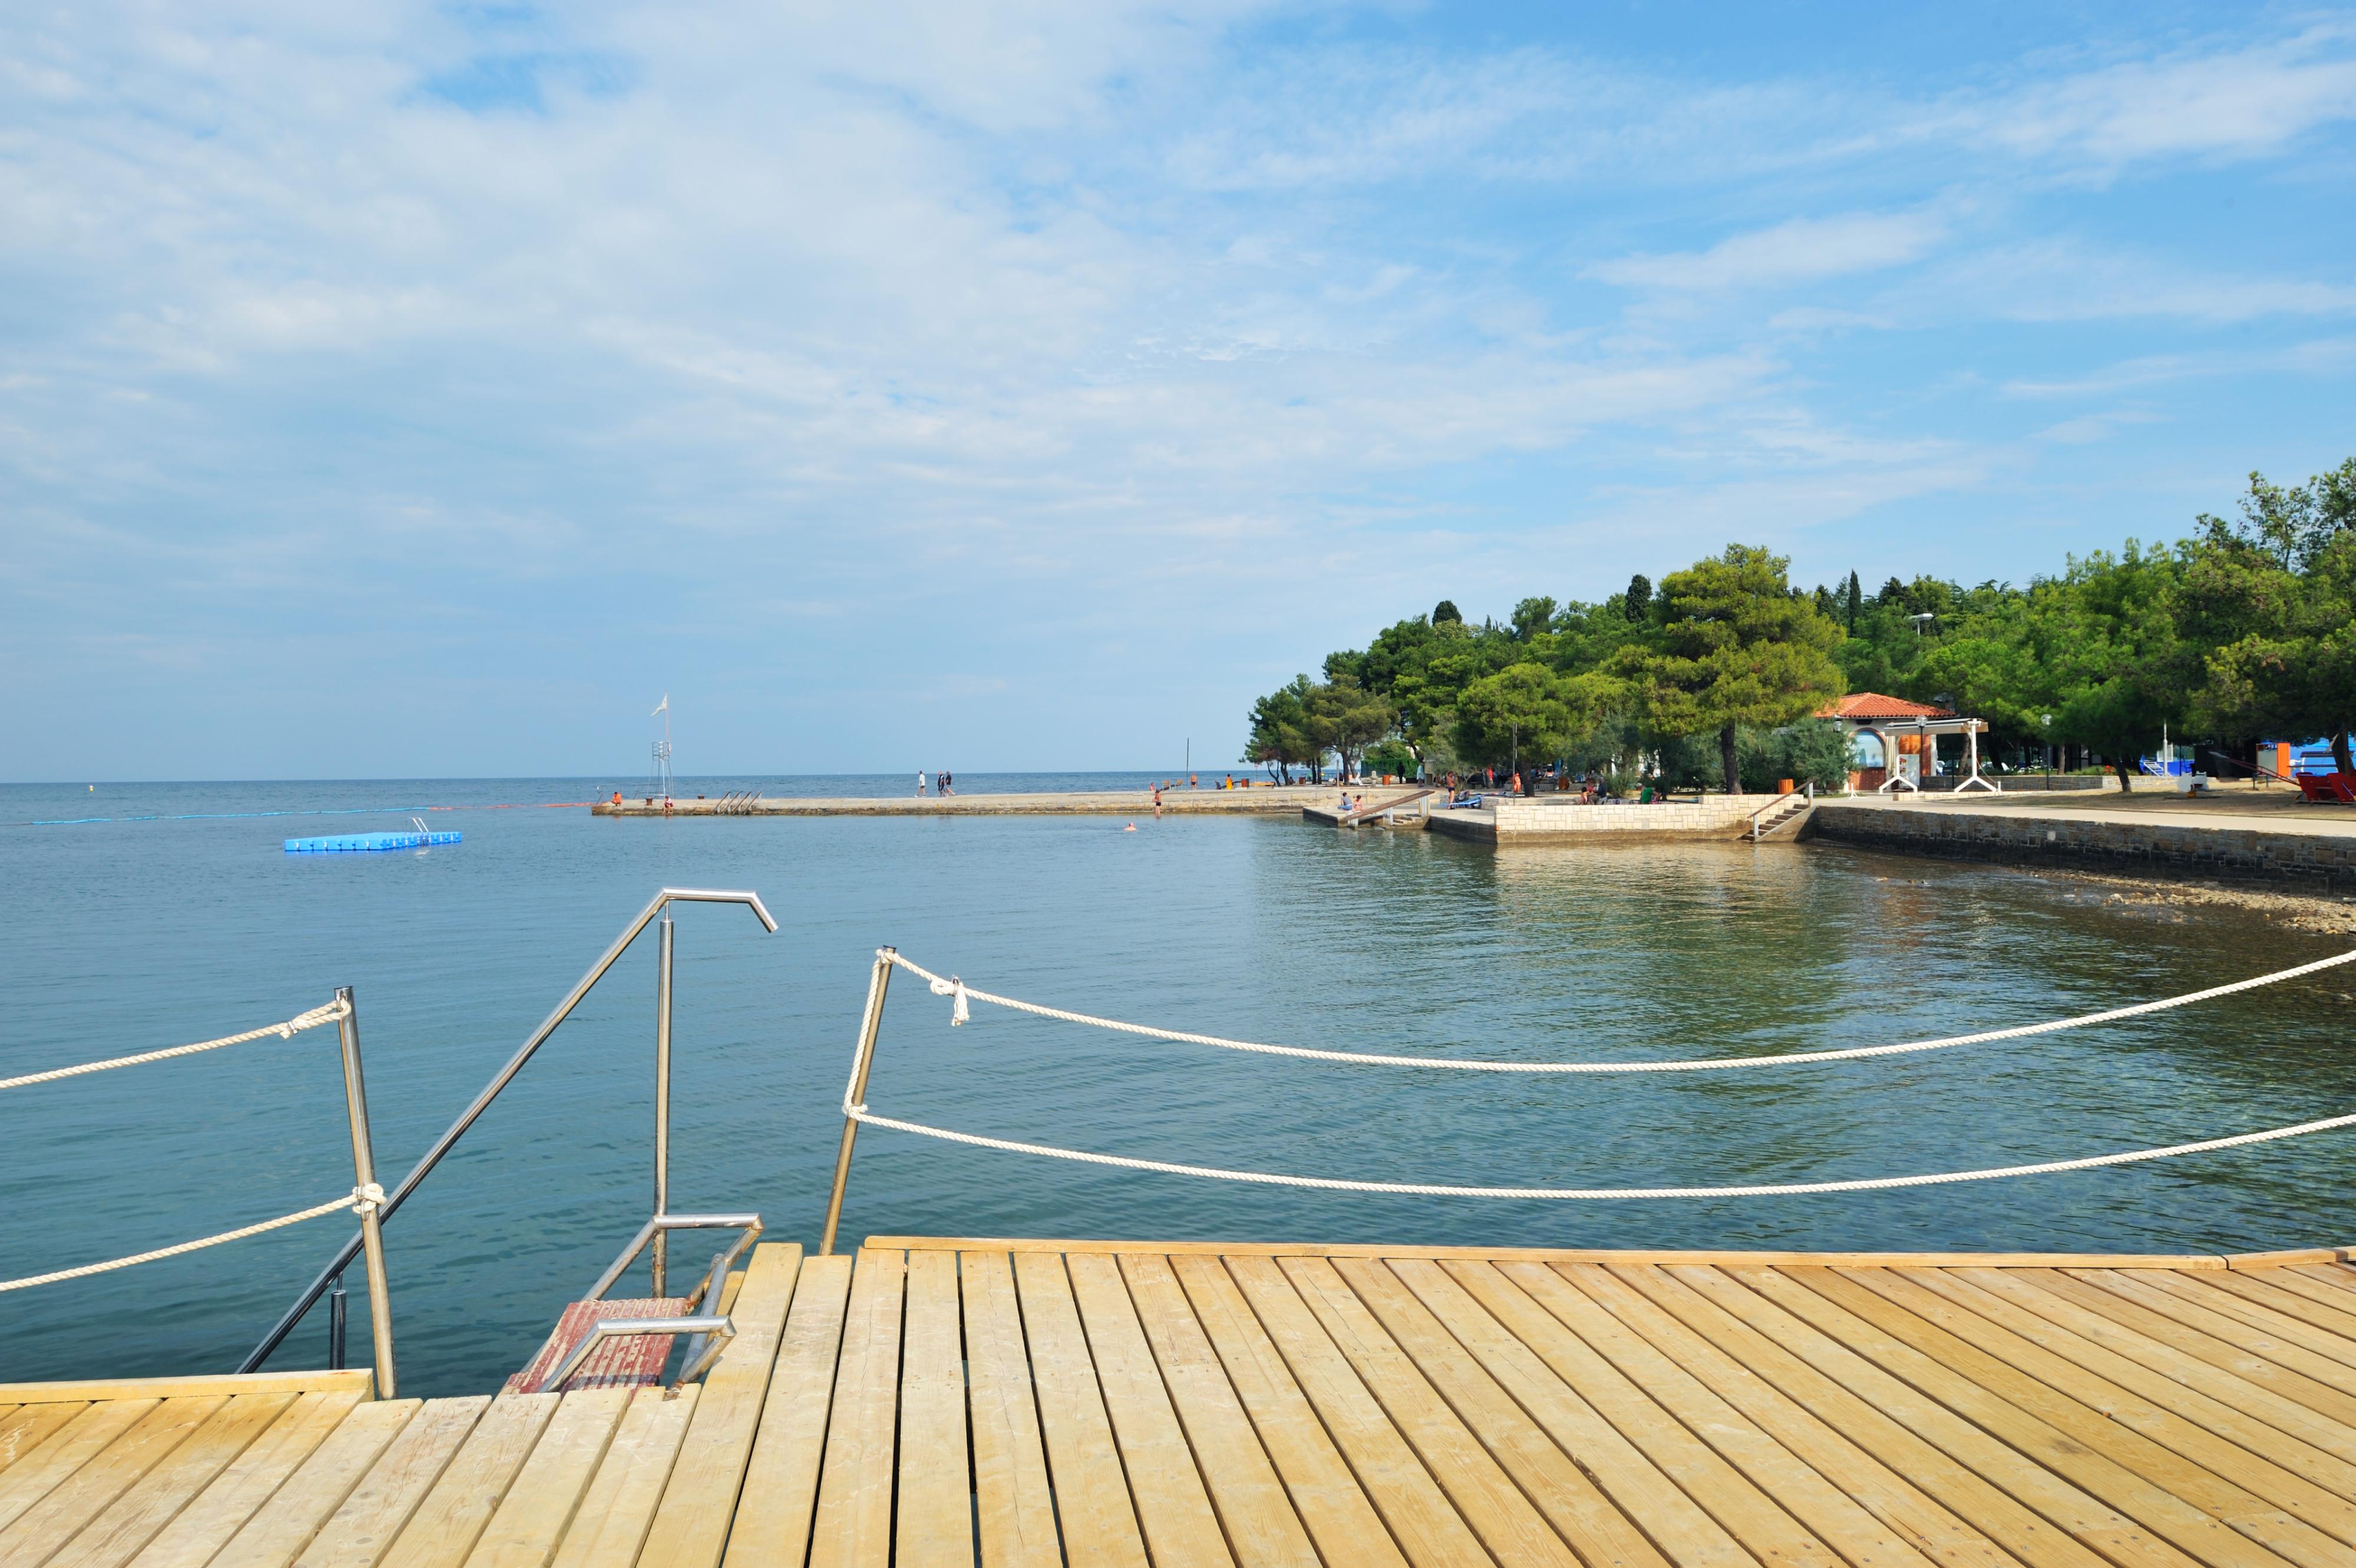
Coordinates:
127 935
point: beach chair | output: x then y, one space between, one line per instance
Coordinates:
602 1343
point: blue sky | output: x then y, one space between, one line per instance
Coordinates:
427 390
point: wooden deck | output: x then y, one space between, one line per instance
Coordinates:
1037 1402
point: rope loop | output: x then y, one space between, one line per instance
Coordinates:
958 1012
366 1199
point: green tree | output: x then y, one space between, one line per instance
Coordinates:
1280 730
1533 617
1345 718
1638 600
1735 646
1529 711
1852 597
1446 611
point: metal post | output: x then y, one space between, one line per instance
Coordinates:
364 1175
870 1023
336 1321
662 1098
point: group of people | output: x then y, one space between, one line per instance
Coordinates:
940 782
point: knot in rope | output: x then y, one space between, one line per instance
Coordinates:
366 1199
953 986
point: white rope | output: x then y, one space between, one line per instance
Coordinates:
329 1013
361 1200
962 991
1873 1184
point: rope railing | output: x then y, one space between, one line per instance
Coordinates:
361 1200
855 1108
332 1013
860 1113
961 994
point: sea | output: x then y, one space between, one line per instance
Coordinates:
142 915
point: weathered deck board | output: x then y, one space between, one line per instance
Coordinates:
1018 1404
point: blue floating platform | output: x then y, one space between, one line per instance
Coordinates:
348 843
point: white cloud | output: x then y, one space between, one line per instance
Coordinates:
2229 103
1801 250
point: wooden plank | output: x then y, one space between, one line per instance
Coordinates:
532 1516
1261 1526
854 1500
1634 1484
1174 1507
1532 1303
1092 1502
1804 1514
936 1501
363 1526
620 1506
2295 1255
132 1520
284 1525
1832 1460
2336 1334
1982 1456
2058 1433
2328 1354
444 1526
1980 1505
27 1427
2217 1401
691 1523
2170 1329
355 1380
1423 1522
2194 1260
2158 1424
80 1497
780 1497
1343 1524
1572 1496
196 1534
71 1444
2339 1276
1014 1507
2337 1300
2227 1328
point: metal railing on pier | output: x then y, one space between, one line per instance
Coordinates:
659 905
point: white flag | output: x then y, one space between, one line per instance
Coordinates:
661 708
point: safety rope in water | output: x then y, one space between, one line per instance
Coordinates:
331 1014
961 992
1873 1184
361 1200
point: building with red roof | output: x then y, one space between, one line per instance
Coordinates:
1893 743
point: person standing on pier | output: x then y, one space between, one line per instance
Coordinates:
920 783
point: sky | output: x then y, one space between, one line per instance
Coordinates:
427 391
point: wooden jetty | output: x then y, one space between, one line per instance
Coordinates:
1131 1403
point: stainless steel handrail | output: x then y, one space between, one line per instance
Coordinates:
750 1224
499 1080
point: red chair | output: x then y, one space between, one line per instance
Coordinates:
2327 789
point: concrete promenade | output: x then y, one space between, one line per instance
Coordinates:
2234 833
1290 800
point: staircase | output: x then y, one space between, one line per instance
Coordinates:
1782 811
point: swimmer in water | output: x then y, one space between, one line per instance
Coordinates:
1130 828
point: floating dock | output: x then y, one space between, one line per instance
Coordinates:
364 844
940 1400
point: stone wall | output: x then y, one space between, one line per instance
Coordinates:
2311 863
1540 820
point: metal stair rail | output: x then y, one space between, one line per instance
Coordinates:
1806 799
658 905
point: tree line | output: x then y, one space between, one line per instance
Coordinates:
2244 630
